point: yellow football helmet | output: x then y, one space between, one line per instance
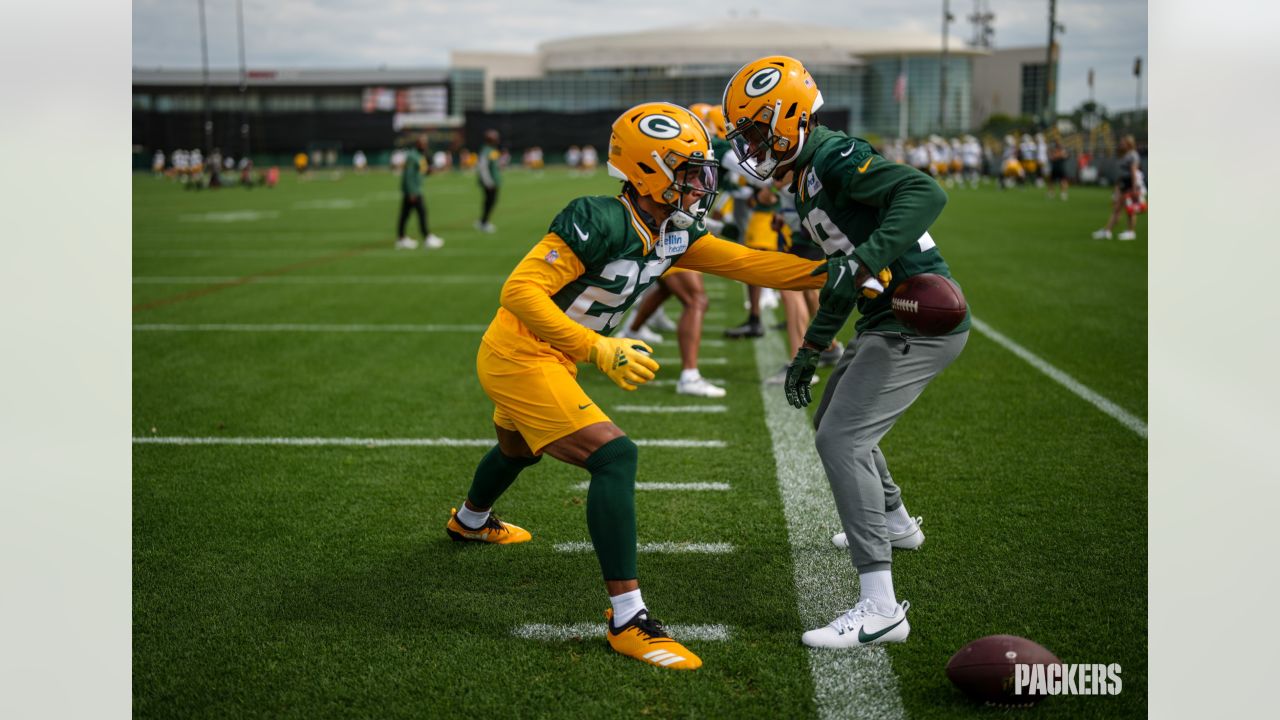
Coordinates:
664 152
715 120
769 106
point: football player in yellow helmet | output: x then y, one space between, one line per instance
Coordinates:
560 306
688 287
871 217
715 120
769 107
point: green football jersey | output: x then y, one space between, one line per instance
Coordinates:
415 167
621 255
487 166
852 201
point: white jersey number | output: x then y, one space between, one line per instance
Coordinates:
636 280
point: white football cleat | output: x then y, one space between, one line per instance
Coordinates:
645 334
1128 235
433 242
910 539
406 243
863 625
1102 234
486 227
700 387
660 322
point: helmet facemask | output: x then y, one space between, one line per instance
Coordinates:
759 147
688 174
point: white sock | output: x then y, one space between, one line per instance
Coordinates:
898 521
625 607
689 375
878 587
472 518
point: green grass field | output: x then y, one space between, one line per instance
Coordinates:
317 581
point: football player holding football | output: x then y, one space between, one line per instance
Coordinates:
560 306
871 217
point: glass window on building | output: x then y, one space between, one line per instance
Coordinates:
291 102
1033 88
179 102
341 102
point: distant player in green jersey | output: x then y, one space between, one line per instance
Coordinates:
871 217
415 169
490 180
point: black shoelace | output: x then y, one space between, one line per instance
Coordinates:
650 626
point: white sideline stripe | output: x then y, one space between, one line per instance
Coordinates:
382 442
575 631
672 408
678 486
320 279
303 327
850 683
712 342
666 548
701 360
1126 418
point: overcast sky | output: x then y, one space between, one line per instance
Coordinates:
1102 34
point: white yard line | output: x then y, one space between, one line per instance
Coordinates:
671 408
670 486
595 630
303 327
665 548
1125 418
383 442
321 279
847 683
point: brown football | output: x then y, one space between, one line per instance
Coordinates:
929 304
984 668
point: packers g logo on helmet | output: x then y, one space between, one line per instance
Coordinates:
763 81
659 126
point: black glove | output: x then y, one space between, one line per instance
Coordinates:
799 374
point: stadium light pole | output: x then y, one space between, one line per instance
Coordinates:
947 17
244 83
204 65
1137 97
1054 27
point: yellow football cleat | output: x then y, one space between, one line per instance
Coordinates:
494 531
645 639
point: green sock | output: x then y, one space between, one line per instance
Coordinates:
494 475
611 507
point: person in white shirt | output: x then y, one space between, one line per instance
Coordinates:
359 160
589 160
573 158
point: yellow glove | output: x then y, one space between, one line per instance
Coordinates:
625 360
872 286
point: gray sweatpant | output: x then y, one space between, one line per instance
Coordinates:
875 381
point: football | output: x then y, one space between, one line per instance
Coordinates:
929 304
984 668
